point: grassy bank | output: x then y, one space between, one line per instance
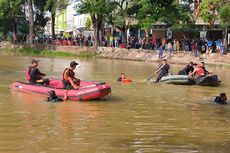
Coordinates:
48 53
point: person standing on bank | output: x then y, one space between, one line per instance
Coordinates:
35 76
69 81
163 69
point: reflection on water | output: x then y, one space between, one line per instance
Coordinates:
139 117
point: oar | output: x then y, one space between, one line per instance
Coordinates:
150 77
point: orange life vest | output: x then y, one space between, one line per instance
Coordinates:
28 73
65 77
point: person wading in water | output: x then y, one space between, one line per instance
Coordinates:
54 98
222 99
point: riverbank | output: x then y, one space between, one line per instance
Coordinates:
115 53
153 56
48 51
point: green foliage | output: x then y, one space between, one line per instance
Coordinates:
216 10
225 15
40 20
207 11
168 12
54 5
50 53
11 14
99 10
88 23
124 14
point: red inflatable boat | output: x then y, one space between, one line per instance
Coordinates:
87 90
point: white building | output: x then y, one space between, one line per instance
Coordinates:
70 11
75 21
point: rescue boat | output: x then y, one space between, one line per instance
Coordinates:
87 90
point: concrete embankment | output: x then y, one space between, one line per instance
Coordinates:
153 56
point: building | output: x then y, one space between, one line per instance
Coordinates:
61 22
68 22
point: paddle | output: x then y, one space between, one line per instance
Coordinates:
150 77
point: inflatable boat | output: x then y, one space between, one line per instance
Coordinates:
87 90
209 80
177 80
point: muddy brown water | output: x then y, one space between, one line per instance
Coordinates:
138 118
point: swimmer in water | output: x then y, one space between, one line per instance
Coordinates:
54 98
221 99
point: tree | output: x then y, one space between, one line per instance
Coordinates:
99 11
31 21
39 14
124 15
208 12
11 13
170 12
217 10
88 23
52 6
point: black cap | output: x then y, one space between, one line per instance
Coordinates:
34 61
51 91
73 63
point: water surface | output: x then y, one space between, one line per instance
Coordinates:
139 117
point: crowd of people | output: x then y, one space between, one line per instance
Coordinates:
196 46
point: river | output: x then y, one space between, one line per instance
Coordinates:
138 118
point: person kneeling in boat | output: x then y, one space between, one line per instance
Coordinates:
163 69
197 72
35 76
187 70
69 81
221 99
54 98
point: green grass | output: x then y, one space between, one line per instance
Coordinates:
50 53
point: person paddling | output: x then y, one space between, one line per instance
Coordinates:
163 69
34 75
69 81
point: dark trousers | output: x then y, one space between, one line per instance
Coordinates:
159 77
66 84
44 82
